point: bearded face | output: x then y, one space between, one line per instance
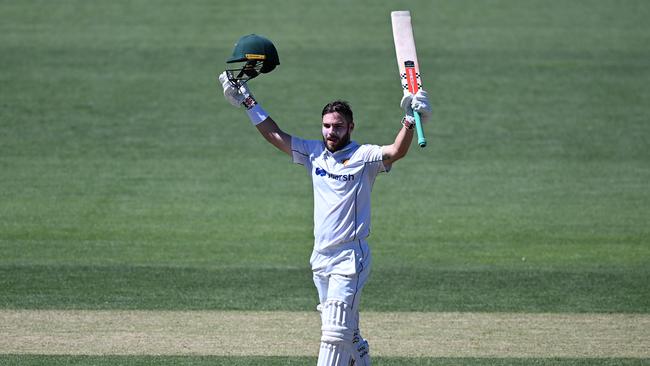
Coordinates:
336 131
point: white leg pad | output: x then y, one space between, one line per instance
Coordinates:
338 326
338 323
333 355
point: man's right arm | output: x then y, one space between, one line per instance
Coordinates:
274 135
238 96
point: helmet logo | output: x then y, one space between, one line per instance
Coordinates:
254 56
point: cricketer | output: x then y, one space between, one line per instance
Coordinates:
342 174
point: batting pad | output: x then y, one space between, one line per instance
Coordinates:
333 355
338 323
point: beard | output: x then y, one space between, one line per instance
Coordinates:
337 143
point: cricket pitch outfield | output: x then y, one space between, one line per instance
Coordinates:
412 334
129 185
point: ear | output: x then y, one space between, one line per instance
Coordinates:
351 126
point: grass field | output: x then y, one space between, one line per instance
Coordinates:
128 183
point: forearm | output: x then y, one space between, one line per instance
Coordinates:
399 147
403 142
274 135
267 126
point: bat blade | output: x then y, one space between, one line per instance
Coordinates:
407 60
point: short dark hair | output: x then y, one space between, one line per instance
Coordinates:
341 107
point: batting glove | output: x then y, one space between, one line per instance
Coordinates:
241 95
409 120
234 95
420 103
230 91
406 102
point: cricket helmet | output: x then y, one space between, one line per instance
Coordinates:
258 55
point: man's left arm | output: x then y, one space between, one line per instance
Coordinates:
410 103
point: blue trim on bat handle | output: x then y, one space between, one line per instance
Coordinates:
422 141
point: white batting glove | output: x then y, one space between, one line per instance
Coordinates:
405 103
232 93
409 120
420 103
241 95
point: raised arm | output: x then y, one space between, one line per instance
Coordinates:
274 135
241 96
400 147
418 103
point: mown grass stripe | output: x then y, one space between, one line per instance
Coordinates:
400 334
408 288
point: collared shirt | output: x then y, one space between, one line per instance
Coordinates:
342 183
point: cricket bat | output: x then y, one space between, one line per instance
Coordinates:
407 61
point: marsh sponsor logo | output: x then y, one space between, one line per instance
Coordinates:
340 177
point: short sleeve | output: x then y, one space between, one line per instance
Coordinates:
302 150
374 157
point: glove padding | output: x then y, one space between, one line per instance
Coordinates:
420 103
233 94
405 103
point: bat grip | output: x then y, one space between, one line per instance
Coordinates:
422 141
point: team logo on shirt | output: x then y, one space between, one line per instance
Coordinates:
340 177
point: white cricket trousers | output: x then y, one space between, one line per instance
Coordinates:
340 275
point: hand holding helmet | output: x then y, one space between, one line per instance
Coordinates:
258 55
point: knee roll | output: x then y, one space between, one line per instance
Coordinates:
338 322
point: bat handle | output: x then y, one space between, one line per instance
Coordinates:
422 141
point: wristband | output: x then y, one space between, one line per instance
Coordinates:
408 122
249 102
257 114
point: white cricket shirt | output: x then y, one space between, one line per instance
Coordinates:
342 183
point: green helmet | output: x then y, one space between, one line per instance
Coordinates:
259 55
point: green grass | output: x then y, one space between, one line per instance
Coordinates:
127 182
246 288
250 361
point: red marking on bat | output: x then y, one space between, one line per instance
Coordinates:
411 79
